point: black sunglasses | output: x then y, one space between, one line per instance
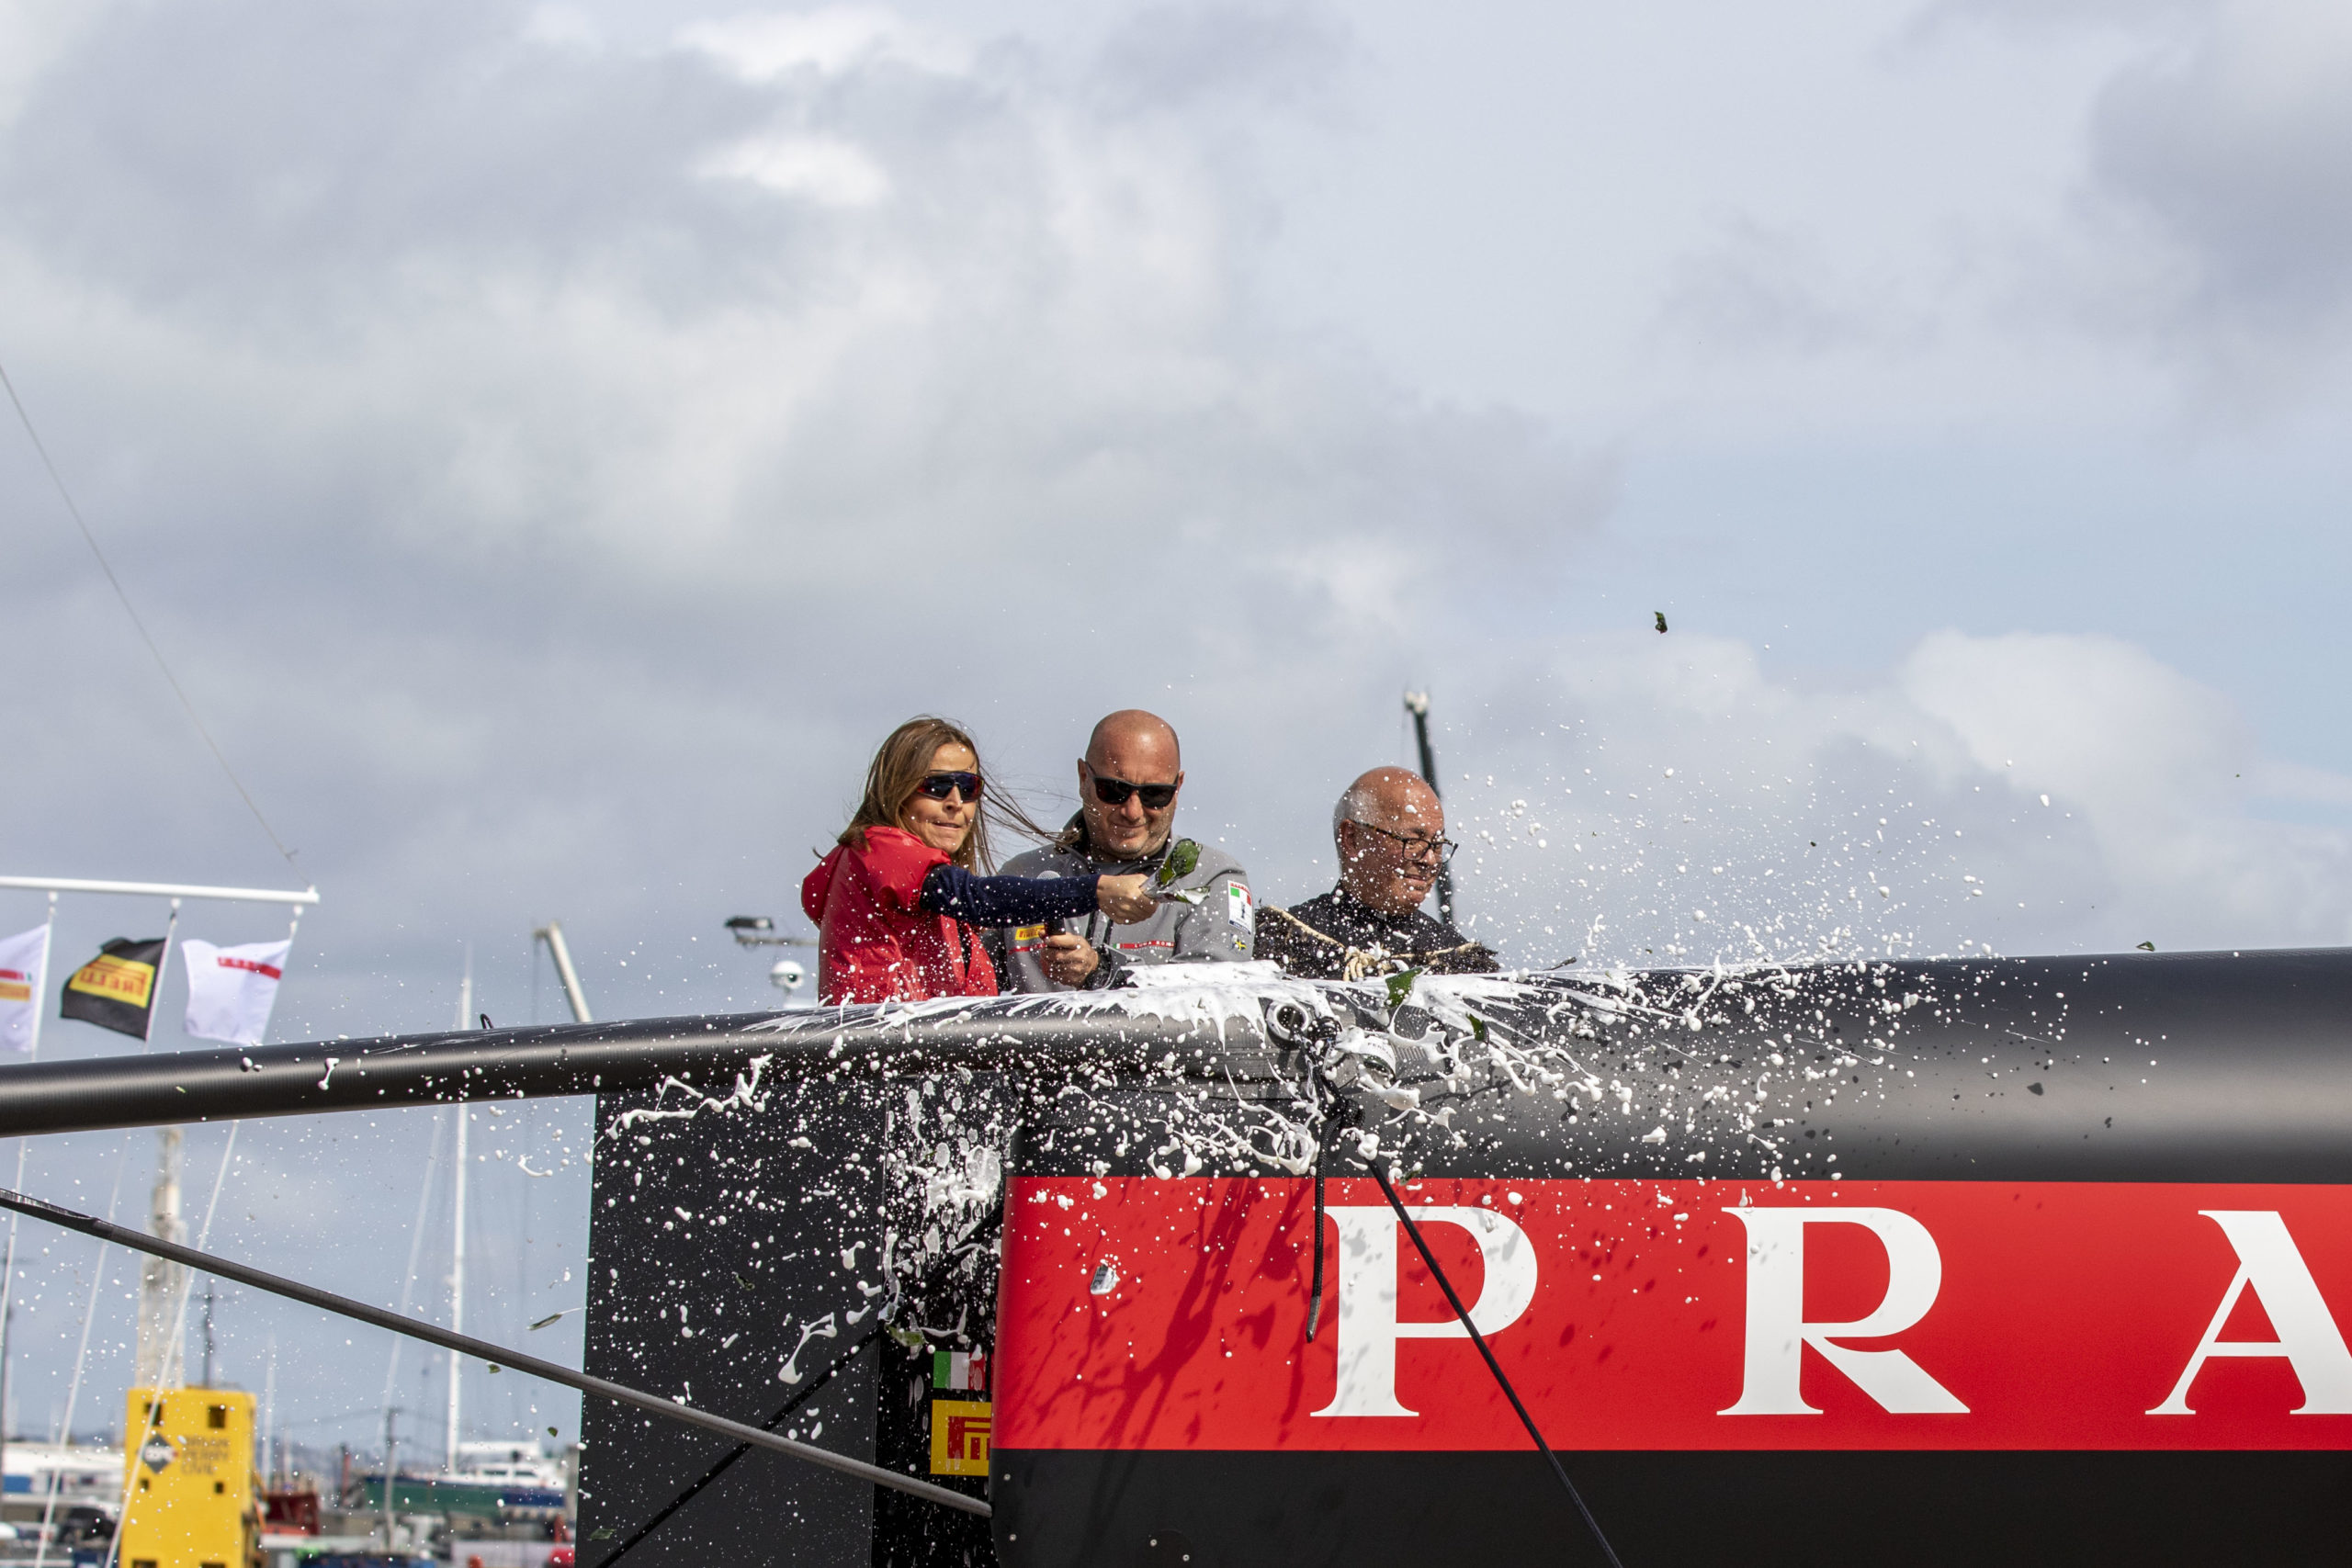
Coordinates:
939 786
1115 792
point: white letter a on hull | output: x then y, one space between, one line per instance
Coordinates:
2308 1338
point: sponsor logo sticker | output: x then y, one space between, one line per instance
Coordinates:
959 1437
959 1371
1237 908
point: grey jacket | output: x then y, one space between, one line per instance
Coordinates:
1221 926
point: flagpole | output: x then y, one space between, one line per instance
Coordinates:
40 991
293 930
24 1146
162 962
174 890
451 1433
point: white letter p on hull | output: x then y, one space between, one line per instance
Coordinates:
1368 1325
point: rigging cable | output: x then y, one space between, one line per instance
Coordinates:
669 1409
144 636
943 1264
1314 1287
172 1370
81 1361
693 1490
415 1248
1494 1366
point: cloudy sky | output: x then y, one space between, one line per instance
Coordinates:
552 444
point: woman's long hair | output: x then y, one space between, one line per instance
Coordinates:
900 764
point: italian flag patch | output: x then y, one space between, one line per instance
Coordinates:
959 1371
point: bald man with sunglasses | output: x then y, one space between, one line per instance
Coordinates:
1127 785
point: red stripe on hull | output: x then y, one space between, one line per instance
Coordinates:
2063 1312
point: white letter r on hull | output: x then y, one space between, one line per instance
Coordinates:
1778 1334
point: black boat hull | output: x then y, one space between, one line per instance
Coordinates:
2100 1210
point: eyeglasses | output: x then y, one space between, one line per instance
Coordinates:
1115 792
1441 849
939 786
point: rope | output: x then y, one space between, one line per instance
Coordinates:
1360 963
1314 1289
1494 1366
140 626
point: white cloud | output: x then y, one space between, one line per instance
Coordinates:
2157 765
563 27
611 528
822 169
2207 231
763 46
2234 140
2088 716
2029 792
558 462
33 36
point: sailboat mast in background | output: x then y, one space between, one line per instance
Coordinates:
457 1232
160 1283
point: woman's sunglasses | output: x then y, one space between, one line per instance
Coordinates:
939 786
1115 792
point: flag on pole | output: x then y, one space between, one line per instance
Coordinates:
231 990
23 965
116 989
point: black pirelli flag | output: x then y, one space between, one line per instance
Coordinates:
116 989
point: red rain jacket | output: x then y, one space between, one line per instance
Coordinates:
875 942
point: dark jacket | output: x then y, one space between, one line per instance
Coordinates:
1218 927
1345 928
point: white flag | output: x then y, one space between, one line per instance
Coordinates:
24 974
230 989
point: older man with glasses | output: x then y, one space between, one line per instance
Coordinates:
1127 785
1390 829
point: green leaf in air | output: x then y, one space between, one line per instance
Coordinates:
1401 987
1478 1029
1184 859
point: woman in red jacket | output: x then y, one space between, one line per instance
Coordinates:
897 901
